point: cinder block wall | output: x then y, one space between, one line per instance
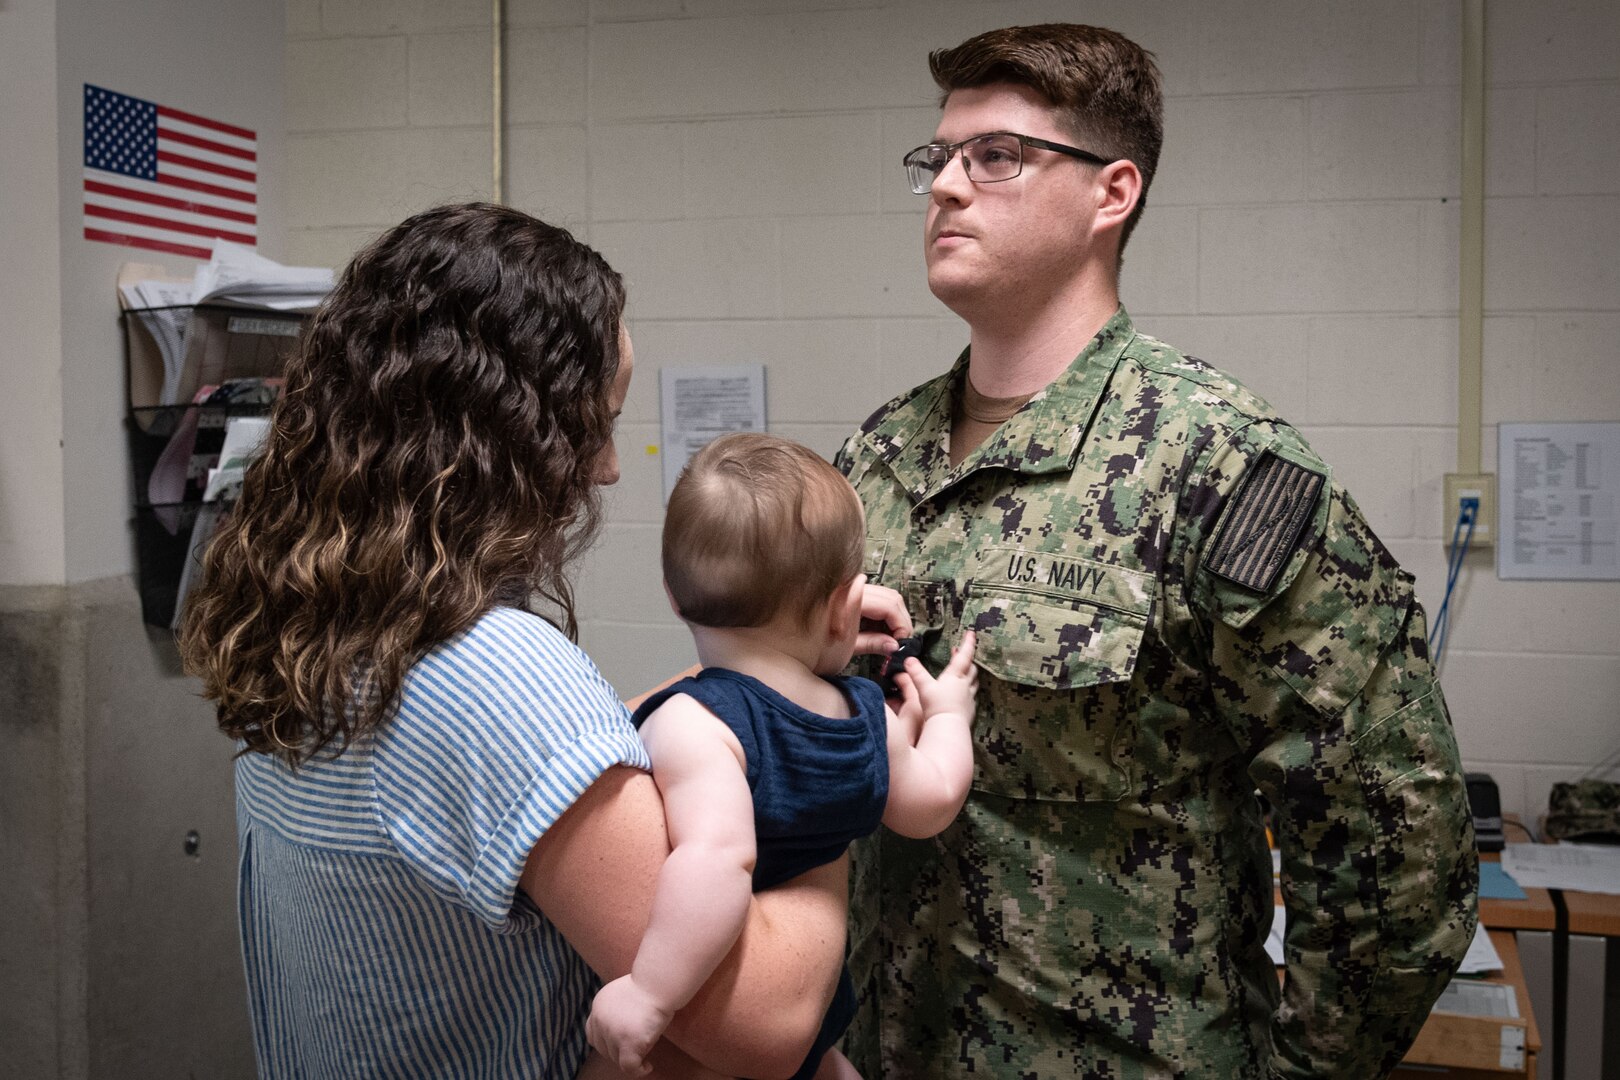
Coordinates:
739 161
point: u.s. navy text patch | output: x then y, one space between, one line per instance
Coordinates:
1262 523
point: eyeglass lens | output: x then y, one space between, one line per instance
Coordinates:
987 159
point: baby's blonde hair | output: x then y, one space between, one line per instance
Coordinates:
758 525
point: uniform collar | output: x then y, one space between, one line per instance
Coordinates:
1042 437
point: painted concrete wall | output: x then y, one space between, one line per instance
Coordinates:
221 60
738 160
31 499
118 953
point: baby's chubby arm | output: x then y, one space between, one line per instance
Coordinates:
703 889
931 744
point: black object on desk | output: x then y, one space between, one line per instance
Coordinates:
1486 805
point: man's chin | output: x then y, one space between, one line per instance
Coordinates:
956 290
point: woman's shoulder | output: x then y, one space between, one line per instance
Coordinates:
510 663
515 639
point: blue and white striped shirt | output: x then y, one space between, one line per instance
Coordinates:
383 931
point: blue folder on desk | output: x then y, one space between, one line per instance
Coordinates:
1496 884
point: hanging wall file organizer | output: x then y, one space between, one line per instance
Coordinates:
191 369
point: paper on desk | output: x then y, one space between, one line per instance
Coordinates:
1478 999
1482 957
1591 868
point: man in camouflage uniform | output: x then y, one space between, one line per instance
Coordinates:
1176 605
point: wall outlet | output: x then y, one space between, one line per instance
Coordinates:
1460 486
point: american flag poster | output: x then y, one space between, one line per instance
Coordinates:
159 178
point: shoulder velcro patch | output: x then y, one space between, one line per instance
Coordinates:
1262 523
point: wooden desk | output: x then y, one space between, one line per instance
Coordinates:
1457 1043
1534 912
1597 914
1568 971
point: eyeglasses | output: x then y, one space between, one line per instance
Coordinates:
987 159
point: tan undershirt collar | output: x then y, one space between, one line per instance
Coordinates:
976 416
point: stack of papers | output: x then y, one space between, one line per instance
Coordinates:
244 437
240 275
234 275
1591 868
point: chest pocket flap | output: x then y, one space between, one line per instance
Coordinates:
1054 621
1060 636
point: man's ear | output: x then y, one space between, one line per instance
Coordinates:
1120 186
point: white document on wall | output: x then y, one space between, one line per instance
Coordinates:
1558 515
697 404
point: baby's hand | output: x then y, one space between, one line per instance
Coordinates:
625 1024
956 687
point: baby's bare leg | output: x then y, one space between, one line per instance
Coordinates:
835 1066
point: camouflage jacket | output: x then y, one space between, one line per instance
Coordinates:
1175 606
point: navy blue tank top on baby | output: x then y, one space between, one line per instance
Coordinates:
818 782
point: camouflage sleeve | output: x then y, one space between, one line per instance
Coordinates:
1318 665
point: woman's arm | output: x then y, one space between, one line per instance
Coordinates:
594 873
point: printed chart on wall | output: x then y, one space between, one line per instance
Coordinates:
697 404
1559 514
166 180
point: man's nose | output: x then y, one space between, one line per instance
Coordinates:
952 183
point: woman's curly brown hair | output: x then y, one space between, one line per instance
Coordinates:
432 455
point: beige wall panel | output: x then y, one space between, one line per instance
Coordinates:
1376 465
1316 257
337 84
377 178
545 76
548 175
1232 150
786 166
1272 45
1384 145
339 17
1391 369
696 269
1160 274
1557 252
450 76
1578 139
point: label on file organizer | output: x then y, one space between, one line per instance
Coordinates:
1511 1055
246 324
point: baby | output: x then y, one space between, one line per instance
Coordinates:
768 762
